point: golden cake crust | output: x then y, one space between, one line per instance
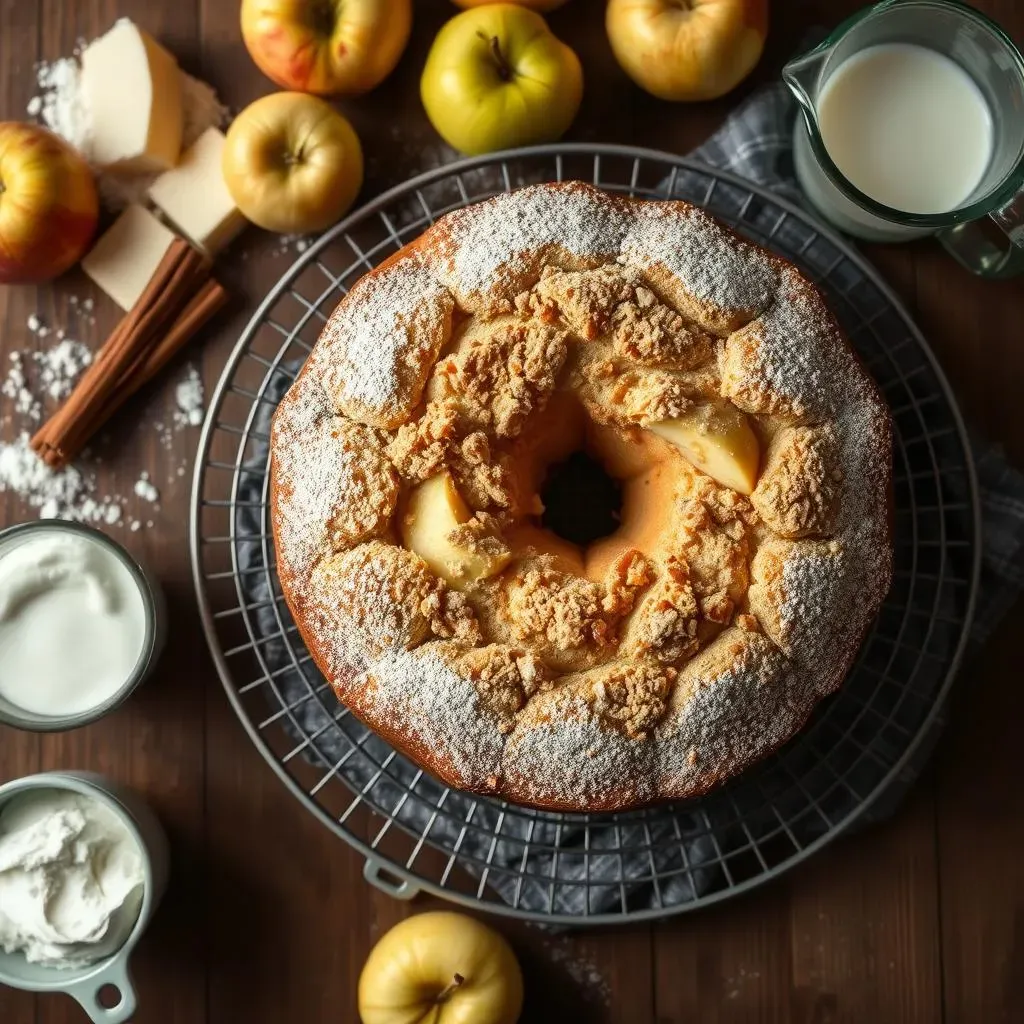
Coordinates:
662 660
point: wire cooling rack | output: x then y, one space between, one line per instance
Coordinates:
416 834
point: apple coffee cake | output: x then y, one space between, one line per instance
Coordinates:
582 501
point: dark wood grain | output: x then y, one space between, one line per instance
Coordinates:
267 919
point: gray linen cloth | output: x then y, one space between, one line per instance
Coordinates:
654 859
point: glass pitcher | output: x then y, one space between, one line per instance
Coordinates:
981 49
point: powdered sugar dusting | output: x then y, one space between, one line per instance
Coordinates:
486 241
379 342
417 688
315 471
589 757
798 355
716 268
489 240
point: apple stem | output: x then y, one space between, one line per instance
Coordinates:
457 981
504 68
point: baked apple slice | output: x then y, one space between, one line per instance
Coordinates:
434 512
718 440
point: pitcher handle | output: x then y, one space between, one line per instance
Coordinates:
977 246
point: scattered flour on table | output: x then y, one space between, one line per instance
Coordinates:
33 381
68 493
61 105
290 245
189 398
583 972
146 489
35 376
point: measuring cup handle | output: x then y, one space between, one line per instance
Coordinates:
977 246
88 994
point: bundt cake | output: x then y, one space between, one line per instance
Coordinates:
720 463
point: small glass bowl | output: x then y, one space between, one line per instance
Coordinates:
153 640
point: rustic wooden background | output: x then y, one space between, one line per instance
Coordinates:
267 918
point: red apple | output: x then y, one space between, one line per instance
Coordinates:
327 47
48 204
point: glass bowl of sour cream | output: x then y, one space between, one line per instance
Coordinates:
83 865
81 625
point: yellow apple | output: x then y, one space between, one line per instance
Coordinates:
292 163
687 49
534 5
442 968
435 508
496 77
48 204
719 441
328 47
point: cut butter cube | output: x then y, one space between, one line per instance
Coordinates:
125 258
132 88
195 199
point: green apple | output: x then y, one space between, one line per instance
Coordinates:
496 77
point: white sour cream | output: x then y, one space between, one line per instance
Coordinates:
72 623
71 879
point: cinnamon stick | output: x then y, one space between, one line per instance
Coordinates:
210 299
151 331
176 276
203 305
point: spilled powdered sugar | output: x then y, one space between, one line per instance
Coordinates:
68 493
750 698
37 376
34 382
584 972
189 398
146 489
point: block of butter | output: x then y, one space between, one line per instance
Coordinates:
125 258
132 88
195 199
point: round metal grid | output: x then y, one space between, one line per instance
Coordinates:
562 868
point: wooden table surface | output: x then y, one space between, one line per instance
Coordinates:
267 918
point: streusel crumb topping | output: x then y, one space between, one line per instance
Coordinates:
631 697
505 677
799 485
394 599
500 377
557 610
665 624
421 448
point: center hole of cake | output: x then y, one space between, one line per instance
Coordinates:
582 503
